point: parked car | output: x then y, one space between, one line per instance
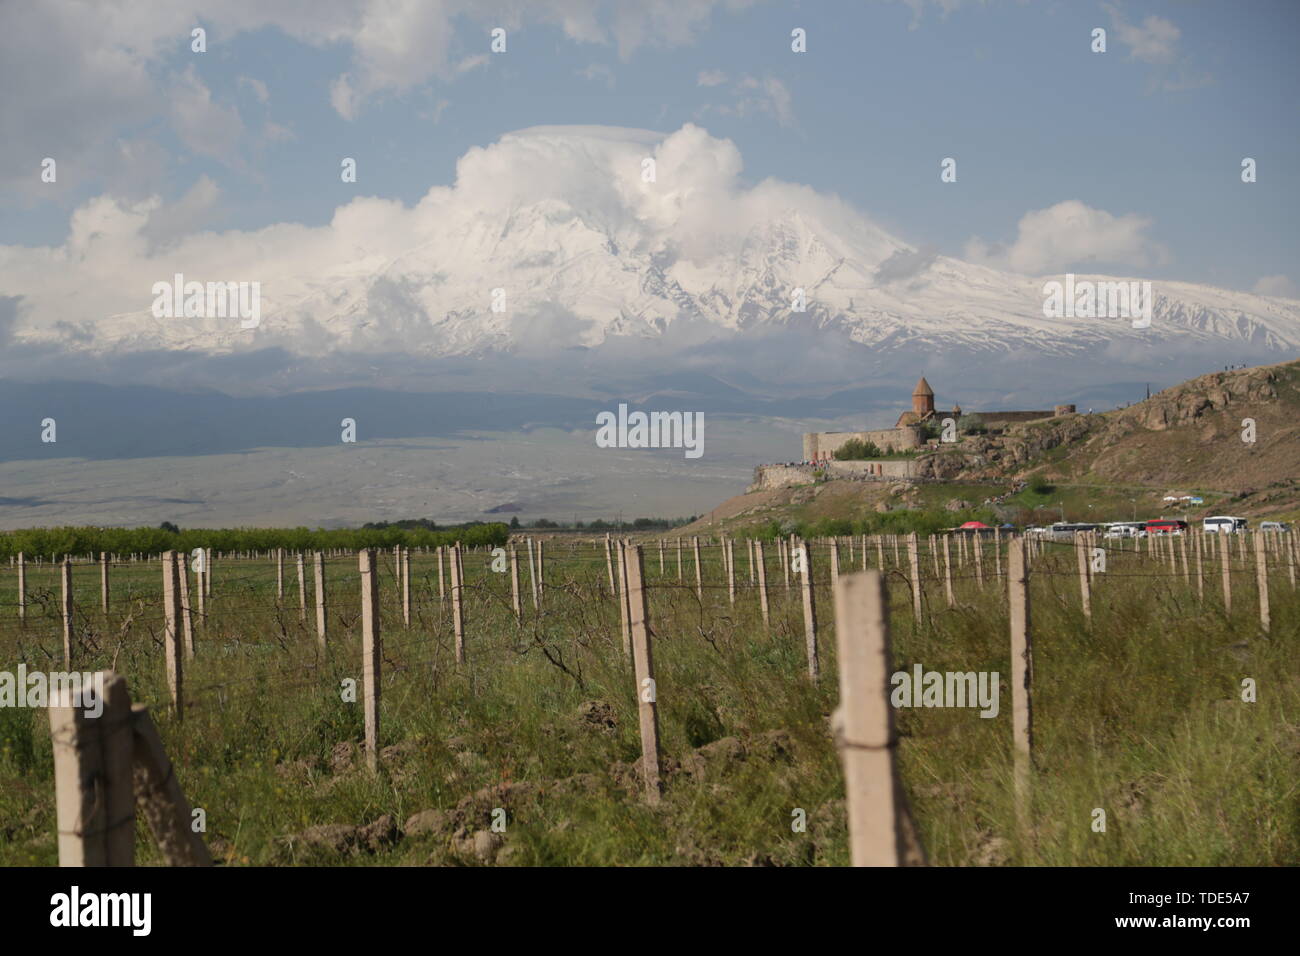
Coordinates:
1278 527
1223 524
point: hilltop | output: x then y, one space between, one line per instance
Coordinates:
1185 440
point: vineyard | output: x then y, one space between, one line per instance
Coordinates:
487 704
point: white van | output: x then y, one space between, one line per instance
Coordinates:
1278 527
1227 524
1126 529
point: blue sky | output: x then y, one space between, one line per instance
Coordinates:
1154 128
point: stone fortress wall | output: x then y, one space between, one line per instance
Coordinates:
768 477
824 444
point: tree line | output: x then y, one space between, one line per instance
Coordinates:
53 543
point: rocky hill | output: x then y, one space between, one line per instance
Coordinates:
1195 436
1185 440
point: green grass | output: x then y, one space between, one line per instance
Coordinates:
1137 713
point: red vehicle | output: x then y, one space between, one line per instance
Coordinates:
1166 526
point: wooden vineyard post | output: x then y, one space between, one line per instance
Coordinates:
159 797
279 575
541 574
1288 545
103 582
372 651
977 542
609 566
406 588
514 585
22 588
1261 579
835 562
661 557
934 556
621 596
762 581
699 574
1225 559
322 616
644 669
442 585
187 618
302 589
679 561
1182 557
1199 546
809 612
914 566
172 632
457 607
784 547
460 568
94 799
947 572
207 572
1022 674
880 826
1085 590
880 552
729 559
66 609
749 553
532 574
200 586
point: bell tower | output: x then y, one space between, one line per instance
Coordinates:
923 398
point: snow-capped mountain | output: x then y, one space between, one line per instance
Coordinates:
552 238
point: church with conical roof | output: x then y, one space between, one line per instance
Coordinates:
923 409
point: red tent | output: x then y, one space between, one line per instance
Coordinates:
975 524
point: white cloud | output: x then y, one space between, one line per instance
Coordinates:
274 132
471 63
115 64
434 115
1279 286
257 86
1071 234
918 8
598 71
751 96
170 221
1155 41
711 78
206 127
343 98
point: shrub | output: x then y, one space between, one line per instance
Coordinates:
1039 485
856 449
